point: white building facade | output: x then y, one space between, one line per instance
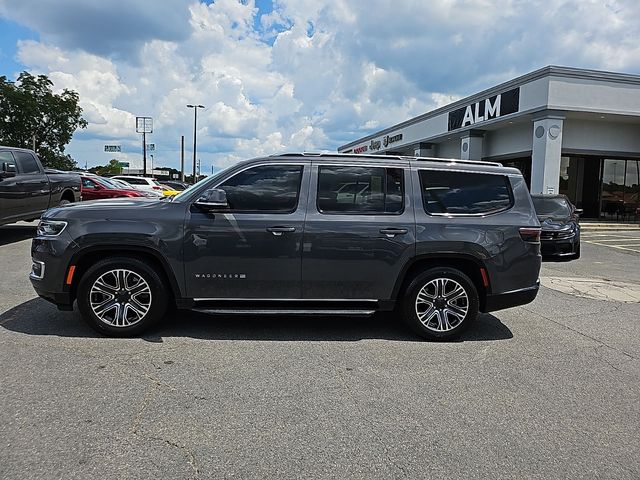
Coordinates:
569 131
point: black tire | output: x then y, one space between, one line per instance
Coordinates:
458 313
155 302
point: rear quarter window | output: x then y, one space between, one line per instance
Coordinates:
464 193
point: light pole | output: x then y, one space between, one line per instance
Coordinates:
195 130
151 165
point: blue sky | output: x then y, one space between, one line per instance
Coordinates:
291 75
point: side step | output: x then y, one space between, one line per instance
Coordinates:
285 311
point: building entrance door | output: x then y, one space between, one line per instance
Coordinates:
580 181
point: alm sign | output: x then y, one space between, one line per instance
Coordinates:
487 109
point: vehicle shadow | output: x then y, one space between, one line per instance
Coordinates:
37 317
16 233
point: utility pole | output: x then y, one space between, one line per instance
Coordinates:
195 131
144 153
182 159
144 125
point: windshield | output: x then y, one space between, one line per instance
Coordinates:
111 182
553 207
105 183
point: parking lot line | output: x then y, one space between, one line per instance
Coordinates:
620 239
637 250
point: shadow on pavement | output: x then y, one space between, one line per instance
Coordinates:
37 317
16 233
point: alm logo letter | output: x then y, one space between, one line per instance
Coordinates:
476 113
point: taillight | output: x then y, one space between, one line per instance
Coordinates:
530 234
156 188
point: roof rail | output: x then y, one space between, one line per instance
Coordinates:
398 157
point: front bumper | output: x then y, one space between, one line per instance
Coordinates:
560 247
514 298
50 257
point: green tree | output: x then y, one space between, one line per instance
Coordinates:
29 108
112 168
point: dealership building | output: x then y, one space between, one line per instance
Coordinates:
568 130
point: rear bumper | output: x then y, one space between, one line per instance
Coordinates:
511 299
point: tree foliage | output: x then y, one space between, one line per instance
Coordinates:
112 168
29 107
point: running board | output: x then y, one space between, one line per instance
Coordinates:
284 311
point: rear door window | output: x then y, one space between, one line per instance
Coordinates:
360 190
470 193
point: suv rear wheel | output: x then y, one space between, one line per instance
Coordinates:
440 303
121 296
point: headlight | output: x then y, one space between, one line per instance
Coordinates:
50 228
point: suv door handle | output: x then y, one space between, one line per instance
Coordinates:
278 231
392 232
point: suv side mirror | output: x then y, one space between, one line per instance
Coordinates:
8 170
578 211
213 199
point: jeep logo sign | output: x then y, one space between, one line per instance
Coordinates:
493 107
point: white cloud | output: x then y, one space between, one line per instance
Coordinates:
311 74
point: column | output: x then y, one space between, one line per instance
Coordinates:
546 155
471 145
424 150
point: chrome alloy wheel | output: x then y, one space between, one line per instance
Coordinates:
442 304
120 298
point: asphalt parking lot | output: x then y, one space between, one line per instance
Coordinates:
549 390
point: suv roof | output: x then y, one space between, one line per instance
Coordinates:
387 157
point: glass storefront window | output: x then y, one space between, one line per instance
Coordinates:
620 189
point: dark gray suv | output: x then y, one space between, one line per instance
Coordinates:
438 240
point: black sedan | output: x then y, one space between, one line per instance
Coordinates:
560 227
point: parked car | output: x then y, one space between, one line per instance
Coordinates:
180 186
559 220
96 188
168 191
27 190
440 240
142 183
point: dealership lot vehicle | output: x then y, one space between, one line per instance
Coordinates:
142 183
559 220
27 190
438 240
96 188
175 185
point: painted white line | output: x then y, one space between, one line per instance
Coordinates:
614 246
622 239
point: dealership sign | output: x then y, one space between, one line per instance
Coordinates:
488 109
112 148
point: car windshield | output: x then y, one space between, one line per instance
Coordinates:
106 183
552 207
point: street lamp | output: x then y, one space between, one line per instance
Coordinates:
195 129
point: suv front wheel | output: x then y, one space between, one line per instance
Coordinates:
121 296
440 303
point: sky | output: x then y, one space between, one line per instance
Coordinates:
291 75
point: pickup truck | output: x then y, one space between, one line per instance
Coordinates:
27 190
